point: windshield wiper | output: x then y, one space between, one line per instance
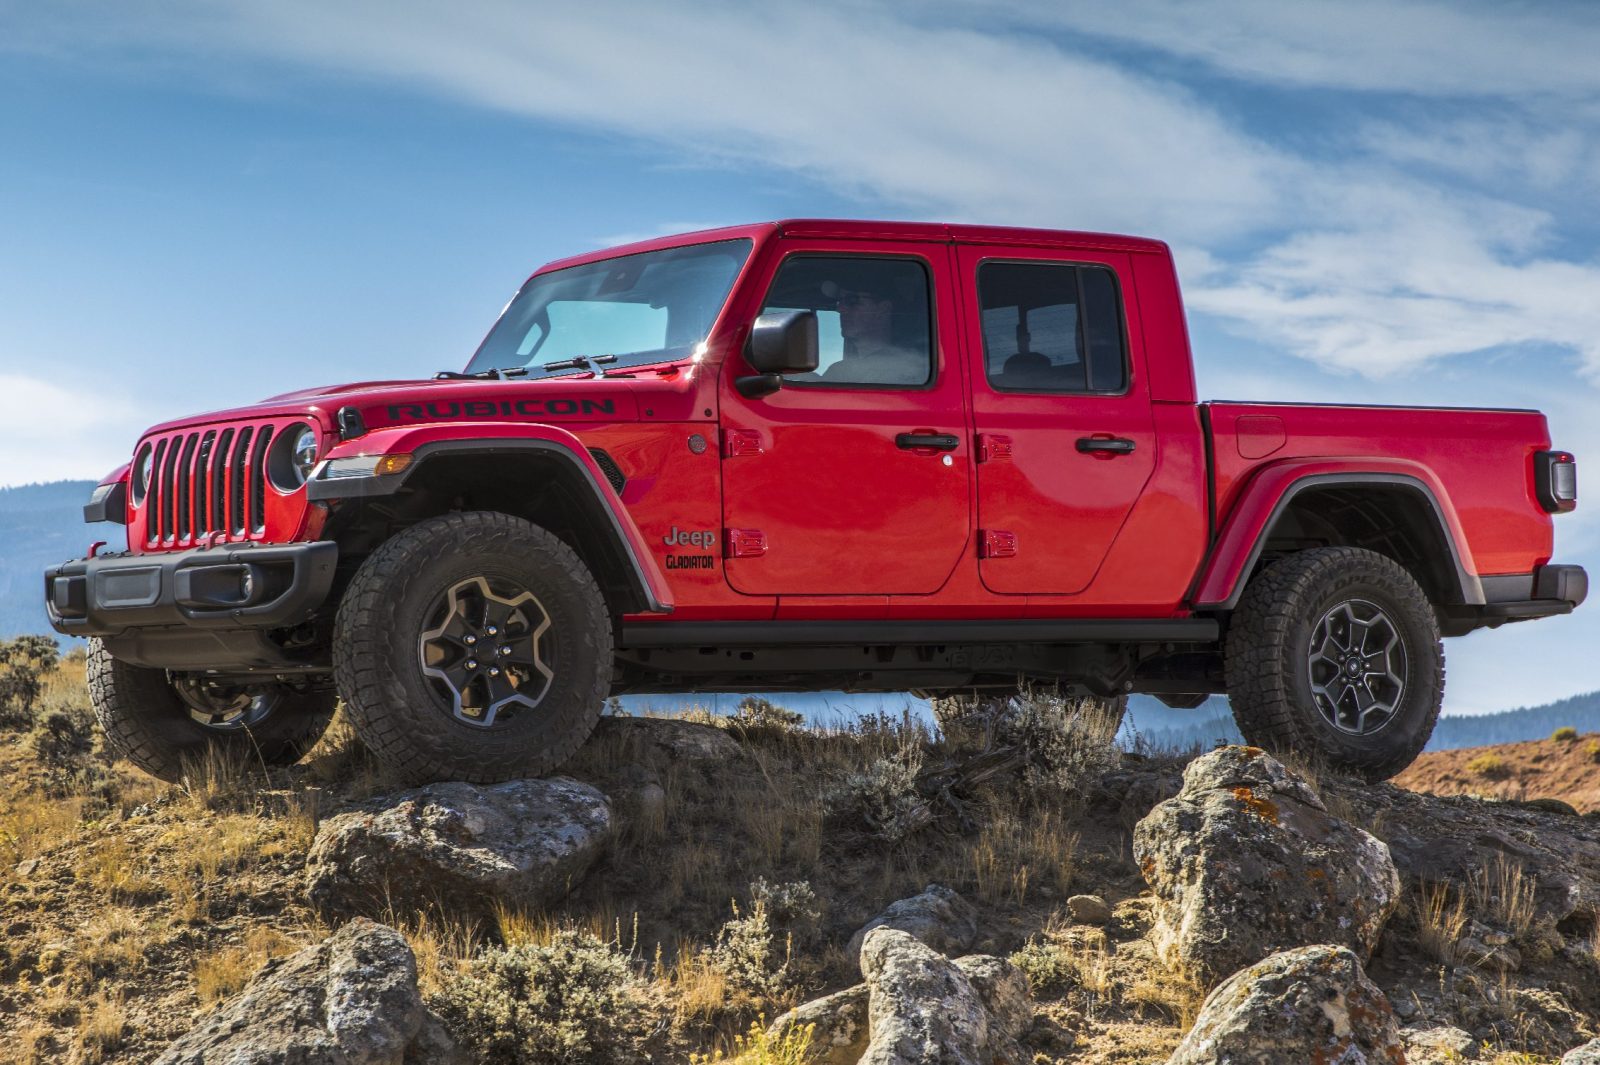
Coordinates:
579 362
481 375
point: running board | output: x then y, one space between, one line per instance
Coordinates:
900 633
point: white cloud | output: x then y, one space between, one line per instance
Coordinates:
51 433
1456 48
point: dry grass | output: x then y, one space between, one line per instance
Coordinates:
440 945
1015 853
113 868
1441 916
1503 895
223 973
100 1030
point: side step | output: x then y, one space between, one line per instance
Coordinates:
901 632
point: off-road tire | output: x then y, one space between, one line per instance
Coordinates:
377 666
1268 677
148 724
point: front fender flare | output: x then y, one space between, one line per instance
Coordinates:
424 442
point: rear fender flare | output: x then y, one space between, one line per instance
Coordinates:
1274 488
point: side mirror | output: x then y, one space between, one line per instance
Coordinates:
781 342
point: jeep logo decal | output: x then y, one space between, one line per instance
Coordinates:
484 408
699 538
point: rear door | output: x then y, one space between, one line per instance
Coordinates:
854 480
1065 434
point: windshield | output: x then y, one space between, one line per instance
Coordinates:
652 307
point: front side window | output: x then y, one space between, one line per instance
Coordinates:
656 306
1051 327
874 318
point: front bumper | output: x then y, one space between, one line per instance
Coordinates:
206 608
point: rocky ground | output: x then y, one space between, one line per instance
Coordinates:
1565 767
1013 890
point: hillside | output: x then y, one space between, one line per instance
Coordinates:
1567 769
715 873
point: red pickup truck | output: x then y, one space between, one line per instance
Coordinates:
806 454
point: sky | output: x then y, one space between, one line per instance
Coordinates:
204 202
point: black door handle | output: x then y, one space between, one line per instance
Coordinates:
1115 445
937 441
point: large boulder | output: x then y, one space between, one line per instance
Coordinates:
924 1008
839 1028
1313 1004
939 917
1588 1054
1246 861
350 1000
460 848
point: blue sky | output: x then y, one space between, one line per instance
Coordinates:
207 202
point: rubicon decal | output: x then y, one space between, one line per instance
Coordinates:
506 408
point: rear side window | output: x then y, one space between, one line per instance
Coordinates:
1052 327
874 318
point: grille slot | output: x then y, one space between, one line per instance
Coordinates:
207 482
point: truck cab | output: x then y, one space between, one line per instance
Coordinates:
809 454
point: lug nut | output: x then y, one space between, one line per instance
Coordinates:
505 650
494 671
470 640
472 663
492 631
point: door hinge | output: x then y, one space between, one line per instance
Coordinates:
997 543
992 446
745 543
736 442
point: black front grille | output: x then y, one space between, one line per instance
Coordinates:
609 467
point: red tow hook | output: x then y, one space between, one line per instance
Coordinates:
95 547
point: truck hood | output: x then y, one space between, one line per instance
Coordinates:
568 398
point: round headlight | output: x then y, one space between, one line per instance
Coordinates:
292 457
305 452
144 466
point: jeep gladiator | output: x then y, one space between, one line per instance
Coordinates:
799 455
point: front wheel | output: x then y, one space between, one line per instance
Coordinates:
158 720
1335 653
474 646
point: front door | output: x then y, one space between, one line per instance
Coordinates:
1065 434
854 480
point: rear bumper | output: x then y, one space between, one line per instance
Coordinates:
1546 592
207 608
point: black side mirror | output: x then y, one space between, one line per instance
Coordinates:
781 342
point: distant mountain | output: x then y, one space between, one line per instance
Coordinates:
41 525
1581 712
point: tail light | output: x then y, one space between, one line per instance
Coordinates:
1555 478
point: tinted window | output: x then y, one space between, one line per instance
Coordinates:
1051 327
873 318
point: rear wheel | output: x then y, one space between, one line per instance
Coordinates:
157 720
473 646
1335 653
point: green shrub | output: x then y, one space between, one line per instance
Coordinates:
24 662
1592 749
756 712
746 954
791 904
1048 969
1564 734
1490 766
567 1002
882 794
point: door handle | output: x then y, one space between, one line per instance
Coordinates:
1105 445
936 441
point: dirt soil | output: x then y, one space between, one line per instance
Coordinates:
1567 770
